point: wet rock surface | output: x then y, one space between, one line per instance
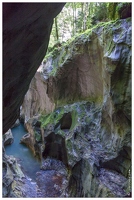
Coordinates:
98 141
23 188
49 183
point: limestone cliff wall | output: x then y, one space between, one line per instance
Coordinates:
36 101
95 65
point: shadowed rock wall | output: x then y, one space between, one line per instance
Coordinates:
26 30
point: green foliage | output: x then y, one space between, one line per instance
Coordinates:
100 13
112 10
119 10
75 18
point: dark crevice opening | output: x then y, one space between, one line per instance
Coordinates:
65 122
55 148
121 164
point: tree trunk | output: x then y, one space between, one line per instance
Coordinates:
56 29
84 20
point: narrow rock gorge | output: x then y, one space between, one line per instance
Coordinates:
88 82
77 110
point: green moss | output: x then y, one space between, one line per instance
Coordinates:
46 119
74 41
74 119
75 46
53 53
129 19
110 47
69 145
93 99
52 118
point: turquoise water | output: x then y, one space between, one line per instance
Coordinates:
29 163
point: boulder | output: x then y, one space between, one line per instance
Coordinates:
8 137
15 183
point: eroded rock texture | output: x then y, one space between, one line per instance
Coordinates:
26 30
99 161
93 136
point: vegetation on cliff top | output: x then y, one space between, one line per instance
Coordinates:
76 18
65 53
79 21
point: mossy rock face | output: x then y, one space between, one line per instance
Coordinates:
57 118
89 147
91 87
84 67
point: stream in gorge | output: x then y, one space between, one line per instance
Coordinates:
30 164
49 181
